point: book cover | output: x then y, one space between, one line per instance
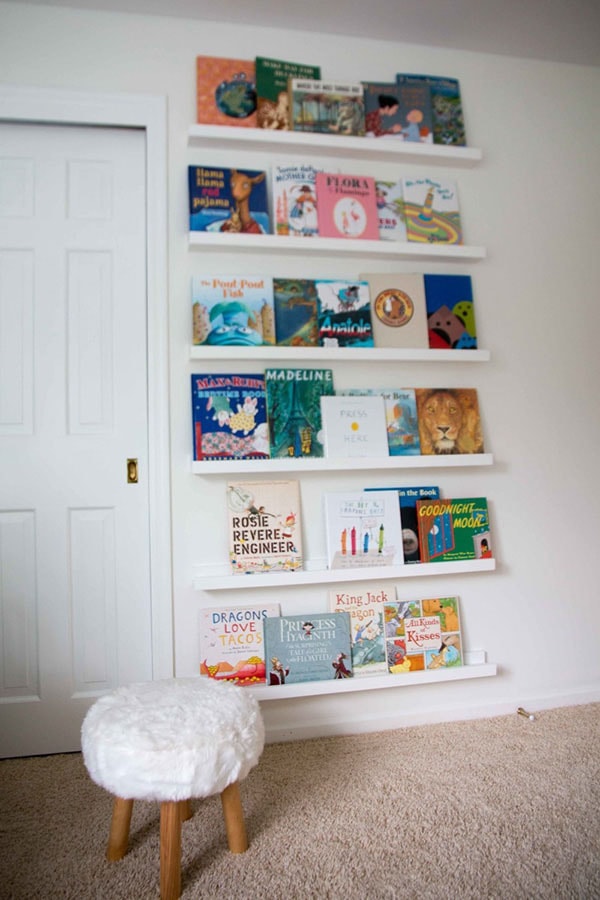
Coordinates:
454 529
449 421
272 97
265 528
398 309
432 211
326 107
390 210
225 91
400 408
344 311
311 647
364 605
416 109
294 410
294 200
446 108
362 529
354 426
408 497
232 643
383 115
450 312
296 312
422 634
228 200
229 417
347 206
233 310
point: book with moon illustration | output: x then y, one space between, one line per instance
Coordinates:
232 643
362 529
264 526
454 529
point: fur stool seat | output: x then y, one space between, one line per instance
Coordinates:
170 741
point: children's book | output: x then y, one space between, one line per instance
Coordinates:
422 634
272 97
415 109
398 311
432 211
450 312
294 200
446 108
311 647
390 210
294 410
229 417
454 529
296 312
233 310
449 421
363 529
365 608
228 200
265 529
383 113
326 107
225 91
408 497
354 426
401 423
347 206
232 643
344 310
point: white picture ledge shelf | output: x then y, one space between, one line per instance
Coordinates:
257 243
369 682
265 140
339 354
336 576
335 464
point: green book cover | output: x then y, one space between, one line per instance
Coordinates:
294 410
272 97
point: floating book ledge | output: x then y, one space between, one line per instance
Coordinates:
333 145
286 244
370 682
324 464
339 354
339 576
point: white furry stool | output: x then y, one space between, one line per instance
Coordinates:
170 741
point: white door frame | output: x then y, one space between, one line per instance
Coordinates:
58 107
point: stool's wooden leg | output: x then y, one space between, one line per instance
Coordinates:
186 810
119 829
234 818
170 850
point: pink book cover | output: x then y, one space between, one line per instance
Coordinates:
347 206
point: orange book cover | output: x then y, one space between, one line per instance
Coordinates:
225 91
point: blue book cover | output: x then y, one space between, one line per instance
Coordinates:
344 313
446 108
311 647
450 312
229 417
233 310
228 200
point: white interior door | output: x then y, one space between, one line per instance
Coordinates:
75 613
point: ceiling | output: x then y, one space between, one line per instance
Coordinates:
556 30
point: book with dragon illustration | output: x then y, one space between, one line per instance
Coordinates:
432 210
228 200
454 529
294 410
362 529
344 309
229 417
308 647
264 526
296 312
365 608
233 310
450 312
232 643
225 91
422 634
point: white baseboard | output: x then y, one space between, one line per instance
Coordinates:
406 718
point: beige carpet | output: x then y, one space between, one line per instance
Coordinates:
498 808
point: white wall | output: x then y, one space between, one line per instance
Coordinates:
533 203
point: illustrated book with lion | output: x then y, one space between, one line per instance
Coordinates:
422 634
232 643
449 421
454 529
